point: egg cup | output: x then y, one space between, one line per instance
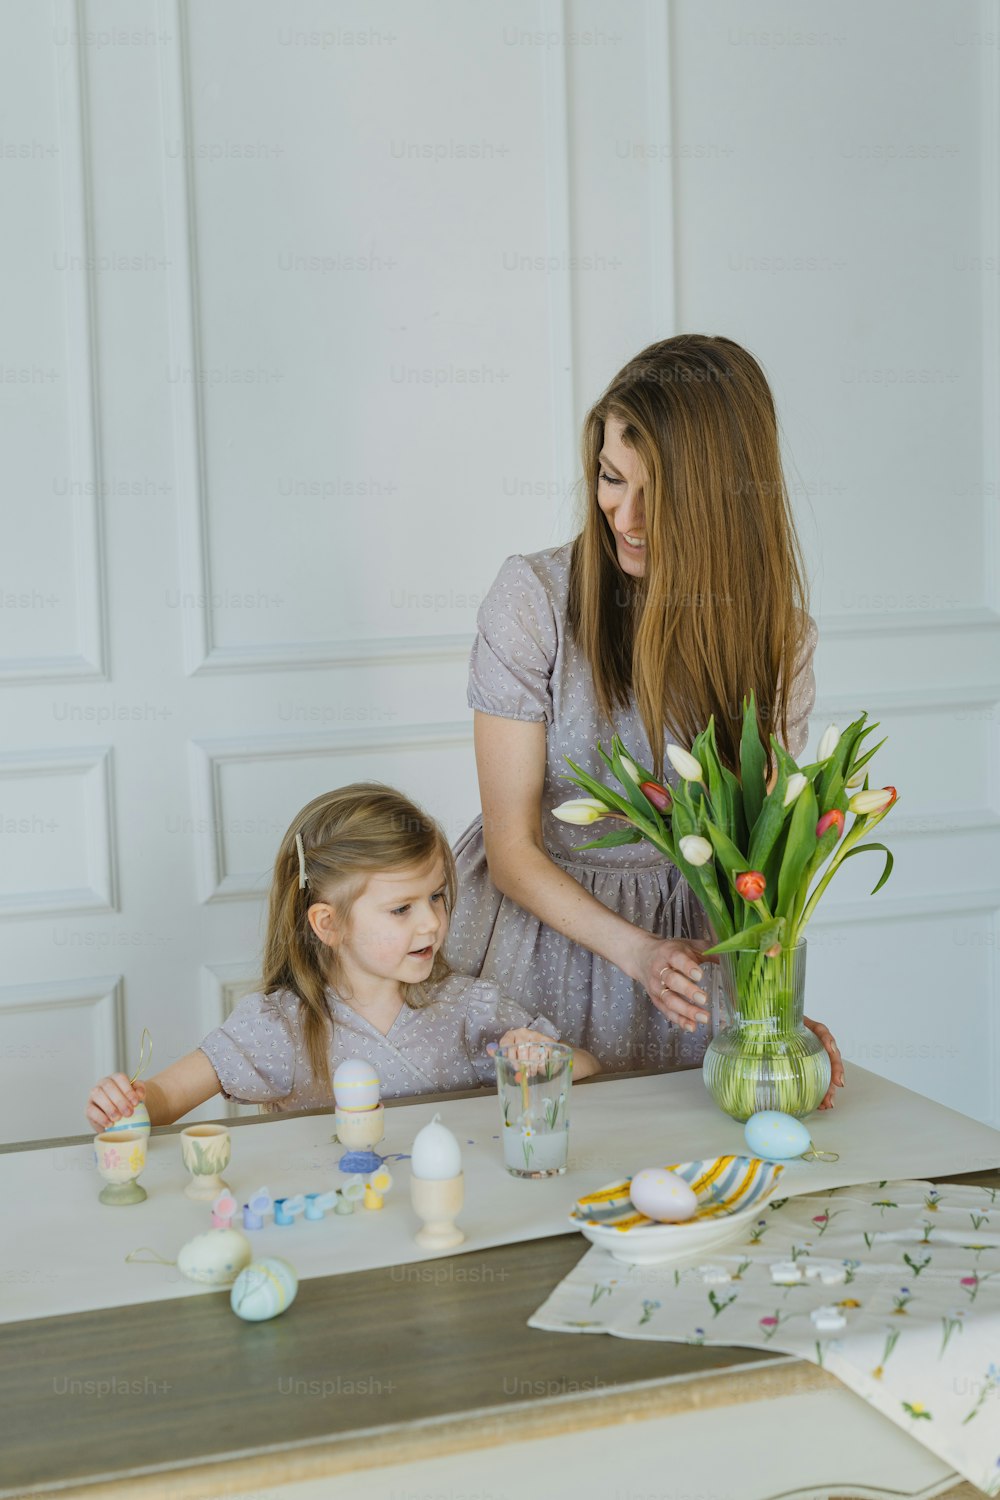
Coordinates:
206 1152
360 1130
120 1156
437 1203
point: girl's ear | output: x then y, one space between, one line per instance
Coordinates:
323 921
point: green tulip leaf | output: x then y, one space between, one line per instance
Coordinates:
865 849
753 765
764 935
612 840
799 846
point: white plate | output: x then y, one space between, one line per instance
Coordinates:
731 1190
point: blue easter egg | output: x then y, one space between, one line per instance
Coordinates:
776 1136
137 1120
264 1290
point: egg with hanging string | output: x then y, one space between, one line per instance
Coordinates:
137 1120
776 1136
215 1258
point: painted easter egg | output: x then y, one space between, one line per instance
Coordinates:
662 1195
264 1290
215 1258
356 1085
776 1136
137 1120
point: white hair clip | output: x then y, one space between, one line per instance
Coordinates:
302 861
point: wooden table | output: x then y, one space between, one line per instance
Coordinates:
405 1365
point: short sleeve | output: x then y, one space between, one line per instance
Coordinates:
802 697
489 1013
253 1051
512 658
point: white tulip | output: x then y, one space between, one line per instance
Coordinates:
796 785
581 810
696 850
684 763
856 779
631 768
874 801
829 742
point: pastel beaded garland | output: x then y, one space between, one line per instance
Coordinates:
264 1290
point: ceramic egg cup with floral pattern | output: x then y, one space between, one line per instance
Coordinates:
120 1157
730 1191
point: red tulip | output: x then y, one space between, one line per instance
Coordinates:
657 794
750 885
832 819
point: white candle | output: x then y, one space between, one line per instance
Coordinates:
436 1156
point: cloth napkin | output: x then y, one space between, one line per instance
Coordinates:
894 1287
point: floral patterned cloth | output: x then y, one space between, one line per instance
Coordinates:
894 1287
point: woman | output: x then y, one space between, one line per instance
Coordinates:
683 590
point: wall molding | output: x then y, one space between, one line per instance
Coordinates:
862 627
222 988
89 662
202 654
934 699
103 992
559 235
94 769
664 292
990 291
207 758
929 907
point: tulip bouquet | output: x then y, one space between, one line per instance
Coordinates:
759 858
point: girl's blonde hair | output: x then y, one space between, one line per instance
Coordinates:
347 836
722 606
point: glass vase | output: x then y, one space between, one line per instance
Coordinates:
765 1057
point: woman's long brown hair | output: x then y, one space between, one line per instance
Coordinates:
722 607
347 835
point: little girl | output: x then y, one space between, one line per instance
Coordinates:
364 884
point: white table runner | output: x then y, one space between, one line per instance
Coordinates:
62 1251
918 1304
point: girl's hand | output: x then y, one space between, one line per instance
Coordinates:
519 1035
524 1044
669 969
836 1061
114 1098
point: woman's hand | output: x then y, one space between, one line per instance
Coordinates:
114 1098
836 1061
669 969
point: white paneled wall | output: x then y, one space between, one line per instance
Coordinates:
304 307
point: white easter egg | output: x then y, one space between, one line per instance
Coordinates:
662 1195
776 1136
215 1258
356 1085
137 1120
436 1156
263 1290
